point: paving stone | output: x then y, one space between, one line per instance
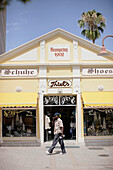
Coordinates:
35 158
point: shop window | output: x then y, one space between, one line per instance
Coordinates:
19 123
98 122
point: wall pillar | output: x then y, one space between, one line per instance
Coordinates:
41 117
42 91
1 140
80 136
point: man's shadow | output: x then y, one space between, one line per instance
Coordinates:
57 152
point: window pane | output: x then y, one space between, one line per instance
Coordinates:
19 123
98 122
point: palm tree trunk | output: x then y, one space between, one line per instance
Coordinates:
94 41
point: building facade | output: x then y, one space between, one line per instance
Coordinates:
57 72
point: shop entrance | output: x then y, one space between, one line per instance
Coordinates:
68 116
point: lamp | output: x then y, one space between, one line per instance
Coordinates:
103 51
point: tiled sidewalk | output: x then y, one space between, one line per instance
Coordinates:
35 158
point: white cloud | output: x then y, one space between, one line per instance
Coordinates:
16 25
23 13
13 24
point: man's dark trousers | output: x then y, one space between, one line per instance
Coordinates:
55 140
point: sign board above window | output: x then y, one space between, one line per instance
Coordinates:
59 52
97 71
60 100
18 72
59 83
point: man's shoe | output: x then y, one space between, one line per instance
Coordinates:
48 153
61 153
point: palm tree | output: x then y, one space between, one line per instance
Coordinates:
93 24
4 3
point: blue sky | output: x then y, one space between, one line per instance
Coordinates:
26 22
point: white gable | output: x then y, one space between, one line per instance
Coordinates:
88 55
28 56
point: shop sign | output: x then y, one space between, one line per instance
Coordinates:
59 83
18 72
97 71
60 100
51 100
67 100
59 52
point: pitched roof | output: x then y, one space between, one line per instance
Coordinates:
58 31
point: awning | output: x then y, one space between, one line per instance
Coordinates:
97 99
18 99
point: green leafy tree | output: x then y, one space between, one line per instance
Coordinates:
4 3
93 24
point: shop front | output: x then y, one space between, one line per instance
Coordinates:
66 106
98 118
19 119
57 72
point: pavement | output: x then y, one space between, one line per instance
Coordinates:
35 158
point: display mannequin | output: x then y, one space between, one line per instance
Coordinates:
47 125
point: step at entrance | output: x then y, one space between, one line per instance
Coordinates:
99 142
15 143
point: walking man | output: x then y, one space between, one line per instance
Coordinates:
58 134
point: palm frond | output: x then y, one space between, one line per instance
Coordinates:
93 23
101 29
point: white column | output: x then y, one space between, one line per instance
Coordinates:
42 51
76 81
1 124
75 51
77 91
42 91
80 138
41 114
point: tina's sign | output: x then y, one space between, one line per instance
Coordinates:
97 71
59 52
59 83
18 72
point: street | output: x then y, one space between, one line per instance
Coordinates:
35 158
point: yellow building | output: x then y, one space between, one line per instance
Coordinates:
57 72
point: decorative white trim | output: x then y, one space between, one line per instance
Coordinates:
56 77
35 65
1 139
98 103
42 91
75 51
49 35
18 89
76 81
42 51
60 91
41 115
80 139
100 88
17 103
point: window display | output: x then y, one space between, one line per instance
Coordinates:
19 123
98 122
